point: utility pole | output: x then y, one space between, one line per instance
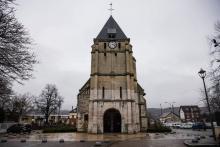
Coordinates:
161 109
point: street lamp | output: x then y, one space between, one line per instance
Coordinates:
202 74
161 109
171 106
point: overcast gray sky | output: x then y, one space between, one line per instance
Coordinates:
169 39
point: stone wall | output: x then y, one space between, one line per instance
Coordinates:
83 107
129 124
113 84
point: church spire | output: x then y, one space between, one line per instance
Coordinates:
111 31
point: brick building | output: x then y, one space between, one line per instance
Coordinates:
189 113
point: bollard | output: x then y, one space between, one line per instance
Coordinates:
61 140
44 140
98 143
198 138
195 141
23 140
3 140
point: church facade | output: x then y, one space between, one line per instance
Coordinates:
112 100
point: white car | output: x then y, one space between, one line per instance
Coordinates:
176 125
186 125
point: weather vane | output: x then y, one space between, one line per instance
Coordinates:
111 8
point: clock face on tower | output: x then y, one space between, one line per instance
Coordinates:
112 44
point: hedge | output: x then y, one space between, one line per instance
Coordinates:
59 129
158 128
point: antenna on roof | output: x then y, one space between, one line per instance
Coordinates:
111 9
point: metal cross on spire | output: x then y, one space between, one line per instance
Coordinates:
111 9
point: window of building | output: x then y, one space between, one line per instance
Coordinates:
111 32
111 35
86 117
120 92
119 45
103 92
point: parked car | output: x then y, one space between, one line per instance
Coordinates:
198 126
186 125
176 125
19 128
208 125
168 124
27 128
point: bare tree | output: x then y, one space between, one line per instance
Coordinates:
49 101
16 56
214 75
19 105
5 94
23 103
5 91
59 104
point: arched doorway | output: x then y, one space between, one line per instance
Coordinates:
112 121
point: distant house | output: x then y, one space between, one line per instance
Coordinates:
73 117
169 117
189 113
39 119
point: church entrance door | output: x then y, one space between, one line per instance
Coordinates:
112 121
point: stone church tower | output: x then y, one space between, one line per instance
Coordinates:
112 100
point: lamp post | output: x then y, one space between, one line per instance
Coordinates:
161 109
171 106
202 74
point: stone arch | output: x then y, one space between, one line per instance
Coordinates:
112 121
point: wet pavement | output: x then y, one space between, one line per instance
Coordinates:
50 144
38 136
174 139
151 143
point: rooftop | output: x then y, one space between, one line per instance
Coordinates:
111 31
